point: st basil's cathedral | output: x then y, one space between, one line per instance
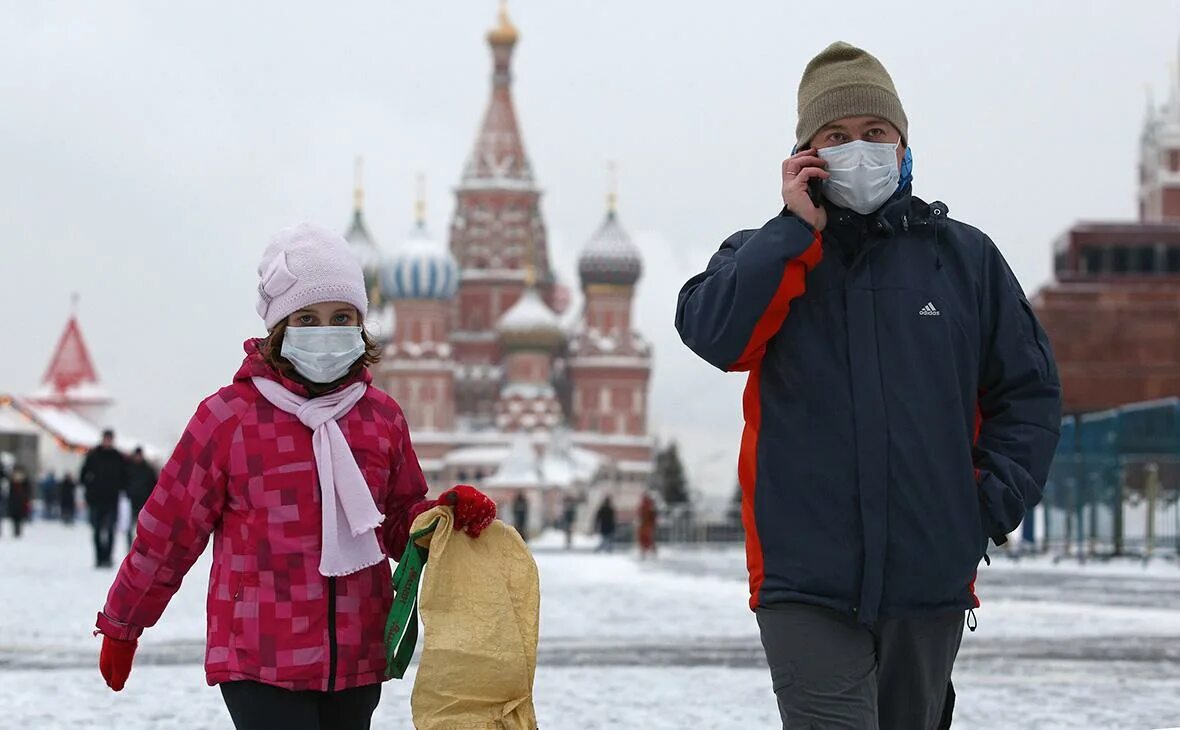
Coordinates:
503 385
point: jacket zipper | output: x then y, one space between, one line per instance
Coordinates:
331 633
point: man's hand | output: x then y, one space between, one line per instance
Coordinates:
798 170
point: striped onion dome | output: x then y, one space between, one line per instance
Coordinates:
610 257
421 268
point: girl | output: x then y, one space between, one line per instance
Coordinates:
305 475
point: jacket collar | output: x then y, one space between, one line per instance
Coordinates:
899 213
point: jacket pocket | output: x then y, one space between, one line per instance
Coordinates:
244 626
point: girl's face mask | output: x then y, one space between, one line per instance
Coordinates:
323 354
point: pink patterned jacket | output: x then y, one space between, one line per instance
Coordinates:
244 473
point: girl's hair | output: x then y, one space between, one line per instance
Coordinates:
271 348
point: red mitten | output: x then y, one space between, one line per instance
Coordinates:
115 661
474 510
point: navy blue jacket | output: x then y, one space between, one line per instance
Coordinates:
902 406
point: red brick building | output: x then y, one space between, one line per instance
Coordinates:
503 387
1113 313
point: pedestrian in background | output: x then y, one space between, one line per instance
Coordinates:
47 490
20 494
520 515
646 534
141 477
605 521
4 457
67 493
569 516
104 474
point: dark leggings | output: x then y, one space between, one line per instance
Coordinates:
257 706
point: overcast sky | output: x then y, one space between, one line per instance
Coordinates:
147 150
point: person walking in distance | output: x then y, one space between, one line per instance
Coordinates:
902 407
304 475
646 536
67 492
104 475
604 520
48 489
569 516
520 515
141 478
20 494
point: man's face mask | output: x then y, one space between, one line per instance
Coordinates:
323 354
863 174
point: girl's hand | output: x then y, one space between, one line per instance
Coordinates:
114 661
474 510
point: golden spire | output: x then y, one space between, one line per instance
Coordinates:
612 195
420 203
530 275
358 190
505 32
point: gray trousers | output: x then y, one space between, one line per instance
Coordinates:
831 672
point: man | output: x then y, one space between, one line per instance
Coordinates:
902 407
141 479
50 502
605 521
67 492
520 515
104 475
569 515
20 494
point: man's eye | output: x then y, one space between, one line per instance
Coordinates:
876 132
836 137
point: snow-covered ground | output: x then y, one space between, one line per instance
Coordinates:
624 644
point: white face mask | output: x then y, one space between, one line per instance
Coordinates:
863 174
323 354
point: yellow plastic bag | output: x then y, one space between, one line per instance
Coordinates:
479 602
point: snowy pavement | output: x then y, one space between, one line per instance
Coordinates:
664 644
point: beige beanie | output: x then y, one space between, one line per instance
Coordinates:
845 81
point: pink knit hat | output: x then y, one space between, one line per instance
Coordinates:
305 265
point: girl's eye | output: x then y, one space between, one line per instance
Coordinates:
342 318
306 320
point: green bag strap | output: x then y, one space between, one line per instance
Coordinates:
401 629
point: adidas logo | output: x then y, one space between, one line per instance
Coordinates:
929 310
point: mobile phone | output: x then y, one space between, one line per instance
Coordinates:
815 191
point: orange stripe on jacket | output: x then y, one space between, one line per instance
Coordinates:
975 440
791 286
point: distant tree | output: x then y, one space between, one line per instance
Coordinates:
669 479
735 504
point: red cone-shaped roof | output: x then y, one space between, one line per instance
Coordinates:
71 371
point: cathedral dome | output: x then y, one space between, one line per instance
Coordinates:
610 257
421 268
530 324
